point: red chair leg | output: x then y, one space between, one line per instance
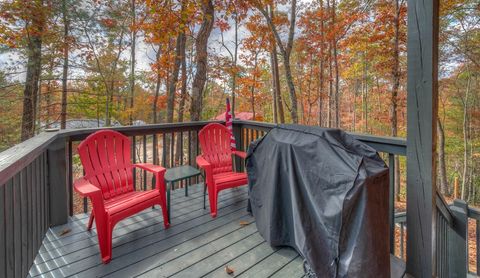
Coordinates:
108 256
212 198
104 237
90 221
163 205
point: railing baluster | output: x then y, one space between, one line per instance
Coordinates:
85 200
17 236
477 240
180 148
134 160
401 240
70 176
197 149
172 149
391 204
155 149
164 146
144 161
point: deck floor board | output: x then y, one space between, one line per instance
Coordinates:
195 245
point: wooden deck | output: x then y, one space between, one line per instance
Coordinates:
194 246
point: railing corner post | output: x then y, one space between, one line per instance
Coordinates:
237 133
457 240
58 182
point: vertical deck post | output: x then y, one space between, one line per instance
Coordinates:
58 179
237 133
457 241
422 87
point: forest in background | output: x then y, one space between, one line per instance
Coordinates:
332 63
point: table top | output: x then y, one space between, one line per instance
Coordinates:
180 173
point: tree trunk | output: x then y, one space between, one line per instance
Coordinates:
201 60
252 89
335 61
157 90
200 77
180 50
181 105
441 158
465 138
322 67
285 52
66 27
34 53
276 77
365 93
394 96
132 62
234 74
274 91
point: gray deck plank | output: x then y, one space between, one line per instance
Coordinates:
244 262
122 236
211 243
271 264
136 260
291 270
68 245
124 244
78 225
219 258
195 245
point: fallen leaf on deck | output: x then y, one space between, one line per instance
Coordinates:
243 223
65 231
228 270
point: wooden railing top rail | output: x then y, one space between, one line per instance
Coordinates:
136 130
444 209
22 154
393 145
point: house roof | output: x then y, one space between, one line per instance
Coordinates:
245 116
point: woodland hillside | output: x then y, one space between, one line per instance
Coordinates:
332 63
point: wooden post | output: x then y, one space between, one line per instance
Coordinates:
237 133
457 241
58 182
422 100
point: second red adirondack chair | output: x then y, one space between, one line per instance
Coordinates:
108 182
216 161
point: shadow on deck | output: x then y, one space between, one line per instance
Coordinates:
195 245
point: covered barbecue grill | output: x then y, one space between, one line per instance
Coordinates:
325 194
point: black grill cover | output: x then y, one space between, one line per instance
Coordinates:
325 194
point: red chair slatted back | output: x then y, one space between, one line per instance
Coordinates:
105 157
215 143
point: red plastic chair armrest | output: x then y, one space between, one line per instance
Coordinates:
240 154
207 167
85 188
203 163
156 169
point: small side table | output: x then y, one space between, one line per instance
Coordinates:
177 174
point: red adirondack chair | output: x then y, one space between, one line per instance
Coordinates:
216 161
108 182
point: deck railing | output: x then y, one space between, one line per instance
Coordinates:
36 180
